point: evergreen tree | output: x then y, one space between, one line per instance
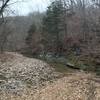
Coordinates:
29 38
53 26
31 31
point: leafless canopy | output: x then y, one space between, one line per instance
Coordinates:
3 5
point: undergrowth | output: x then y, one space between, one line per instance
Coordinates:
81 62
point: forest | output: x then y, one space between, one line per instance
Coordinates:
45 49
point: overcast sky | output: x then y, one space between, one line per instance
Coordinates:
23 8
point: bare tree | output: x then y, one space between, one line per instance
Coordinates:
5 30
4 4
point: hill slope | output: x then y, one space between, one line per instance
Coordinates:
23 78
18 72
80 86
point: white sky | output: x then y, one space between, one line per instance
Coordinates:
23 8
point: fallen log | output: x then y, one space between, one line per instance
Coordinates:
72 66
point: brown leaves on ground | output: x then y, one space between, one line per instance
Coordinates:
76 86
18 72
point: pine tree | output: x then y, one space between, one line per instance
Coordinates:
31 31
53 26
29 38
